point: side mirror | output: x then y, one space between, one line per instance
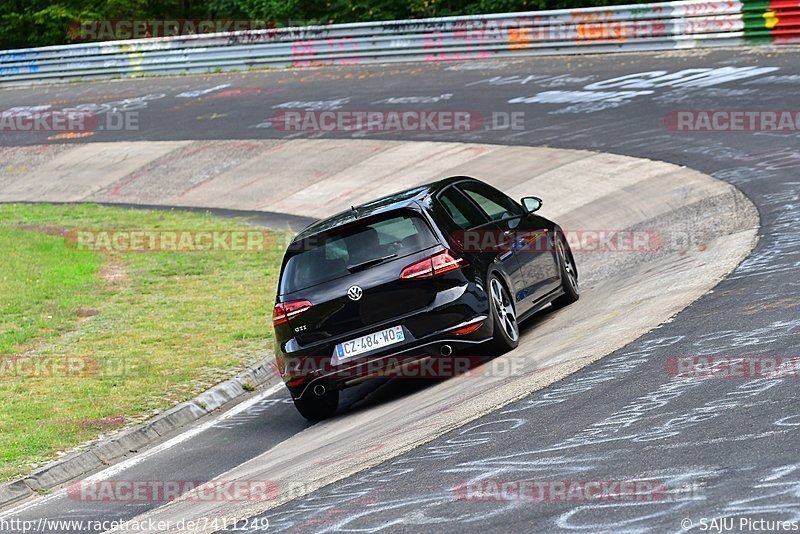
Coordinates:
531 204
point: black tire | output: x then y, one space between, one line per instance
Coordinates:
316 408
504 316
569 275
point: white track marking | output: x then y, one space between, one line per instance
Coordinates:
139 458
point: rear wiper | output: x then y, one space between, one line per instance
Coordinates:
369 263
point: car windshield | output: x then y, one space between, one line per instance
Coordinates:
334 254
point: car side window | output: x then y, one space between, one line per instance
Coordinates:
460 209
494 203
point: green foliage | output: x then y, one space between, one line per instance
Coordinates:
152 328
29 23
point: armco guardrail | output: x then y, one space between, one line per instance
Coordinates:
657 26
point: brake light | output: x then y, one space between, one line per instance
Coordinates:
287 310
439 264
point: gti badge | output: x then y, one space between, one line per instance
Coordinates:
355 293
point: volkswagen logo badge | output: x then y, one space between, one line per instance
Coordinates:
355 293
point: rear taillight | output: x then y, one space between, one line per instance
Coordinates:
464 330
439 264
288 310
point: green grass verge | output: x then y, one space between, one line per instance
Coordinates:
149 329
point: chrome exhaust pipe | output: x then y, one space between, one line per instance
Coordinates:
319 390
446 350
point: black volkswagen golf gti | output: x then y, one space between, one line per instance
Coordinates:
445 267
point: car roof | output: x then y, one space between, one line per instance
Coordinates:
402 199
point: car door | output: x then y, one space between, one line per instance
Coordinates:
528 236
479 234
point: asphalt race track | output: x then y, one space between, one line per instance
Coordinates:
720 447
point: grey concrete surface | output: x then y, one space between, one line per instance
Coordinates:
722 447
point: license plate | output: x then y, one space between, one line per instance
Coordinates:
368 343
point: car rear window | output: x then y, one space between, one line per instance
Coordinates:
333 254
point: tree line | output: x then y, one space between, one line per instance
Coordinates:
30 23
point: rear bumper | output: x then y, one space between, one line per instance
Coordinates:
400 363
459 304
302 371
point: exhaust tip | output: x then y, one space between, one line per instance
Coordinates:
319 390
446 350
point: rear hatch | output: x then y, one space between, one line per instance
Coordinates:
368 257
